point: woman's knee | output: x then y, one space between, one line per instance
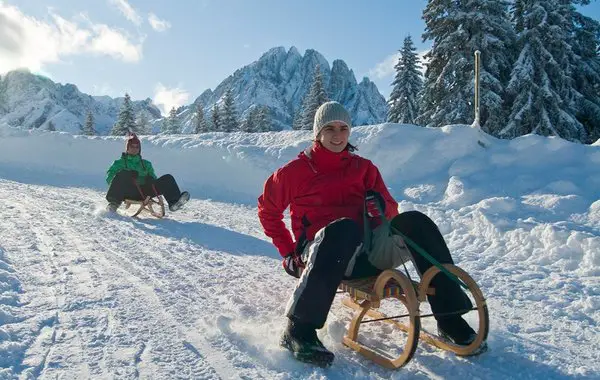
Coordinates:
412 218
342 236
343 226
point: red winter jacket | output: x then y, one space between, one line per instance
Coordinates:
320 186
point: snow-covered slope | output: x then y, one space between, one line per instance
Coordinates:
201 294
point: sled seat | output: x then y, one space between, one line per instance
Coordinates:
146 205
364 289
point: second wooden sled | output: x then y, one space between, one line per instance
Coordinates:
147 204
366 295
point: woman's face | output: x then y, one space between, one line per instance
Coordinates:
334 136
133 148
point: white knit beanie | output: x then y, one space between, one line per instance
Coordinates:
328 113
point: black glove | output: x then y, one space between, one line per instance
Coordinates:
374 204
293 265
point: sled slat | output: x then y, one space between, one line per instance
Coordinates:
146 204
362 289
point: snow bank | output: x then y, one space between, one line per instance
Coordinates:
521 185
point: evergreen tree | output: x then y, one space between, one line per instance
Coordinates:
249 124
315 97
458 29
297 122
216 118
51 126
88 128
303 122
517 15
408 83
173 122
540 92
263 119
586 74
126 119
200 125
229 117
143 124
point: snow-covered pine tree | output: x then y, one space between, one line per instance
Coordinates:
263 119
51 126
315 97
586 42
142 123
540 92
173 123
249 124
200 124
297 121
408 83
458 29
88 127
229 116
216 118
126 120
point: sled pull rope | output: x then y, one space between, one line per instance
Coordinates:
427 256
368 235
413 245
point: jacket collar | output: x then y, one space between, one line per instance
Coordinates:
133 157
322 159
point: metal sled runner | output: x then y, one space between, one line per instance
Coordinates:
366 295
146 204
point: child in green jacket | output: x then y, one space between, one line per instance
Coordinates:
132 177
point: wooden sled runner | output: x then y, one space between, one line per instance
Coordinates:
366 295
147 204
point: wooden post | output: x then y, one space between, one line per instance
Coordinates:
477 63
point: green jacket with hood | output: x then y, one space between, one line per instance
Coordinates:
131 162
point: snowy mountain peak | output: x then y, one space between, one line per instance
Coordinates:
280 79
34 101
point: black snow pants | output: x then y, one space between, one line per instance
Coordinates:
339 242
123 187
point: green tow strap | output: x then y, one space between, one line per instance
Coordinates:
411 243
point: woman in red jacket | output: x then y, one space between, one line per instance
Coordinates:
327 189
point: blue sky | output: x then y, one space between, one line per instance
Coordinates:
173 50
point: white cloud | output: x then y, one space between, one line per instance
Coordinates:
128 11
26 42
386 69
158 24
167 98
110 42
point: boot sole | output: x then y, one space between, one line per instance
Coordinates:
323 359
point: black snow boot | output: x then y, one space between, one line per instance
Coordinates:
183 198
112 206
301 339
456 330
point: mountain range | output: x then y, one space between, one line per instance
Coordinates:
279 79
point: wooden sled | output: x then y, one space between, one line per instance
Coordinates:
366 295
146 204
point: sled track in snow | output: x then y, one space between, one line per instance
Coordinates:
127 297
